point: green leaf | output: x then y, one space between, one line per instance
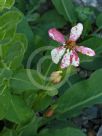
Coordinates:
99 20
9 3
2 4
6 4
23 27
21 5
7 34
66 8
13 52
52 90
53 19
41 102
2 104
75 78
87 28
81 95
63 132
33 17
95 64
9 18
13 108
5 73
18 112
85 14
20 81
31 128
30 80
8 132
8 23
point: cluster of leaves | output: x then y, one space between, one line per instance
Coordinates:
23 106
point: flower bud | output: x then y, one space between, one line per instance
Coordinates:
49 113
56 77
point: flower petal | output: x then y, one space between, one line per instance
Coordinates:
74 59
66 60
56 35
85 50
57 53
76 31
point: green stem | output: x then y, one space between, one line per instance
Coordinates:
1 51
69 83
66 12
99 29
47 71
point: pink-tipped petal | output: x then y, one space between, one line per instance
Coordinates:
57 54
74 59
85 50
76 32
66 60
56 35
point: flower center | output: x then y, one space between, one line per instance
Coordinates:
70 45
